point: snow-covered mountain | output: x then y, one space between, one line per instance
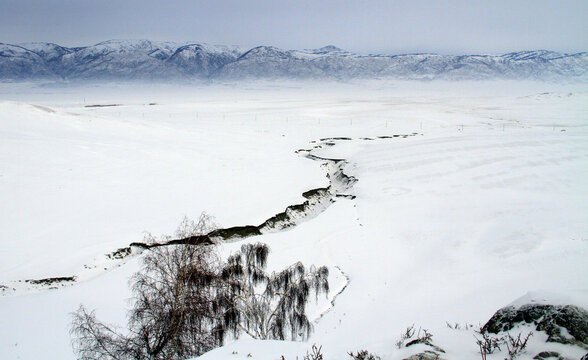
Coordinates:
144 59
202 60
16 62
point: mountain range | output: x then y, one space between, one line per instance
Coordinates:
150 60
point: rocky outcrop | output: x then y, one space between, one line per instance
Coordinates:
565 324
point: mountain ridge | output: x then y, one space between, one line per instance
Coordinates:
160 60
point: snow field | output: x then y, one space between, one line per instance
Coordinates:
487 204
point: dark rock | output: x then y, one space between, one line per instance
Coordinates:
315 193
549 318
192 240
120 253
236 232
427 355
425 342
51 281
549 355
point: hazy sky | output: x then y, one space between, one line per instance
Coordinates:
393 26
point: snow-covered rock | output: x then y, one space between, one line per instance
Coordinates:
558 327
566 324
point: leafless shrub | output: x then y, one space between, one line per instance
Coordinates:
458 326
363 355
407 334
516 345
426 337
488 345
315 353
423 336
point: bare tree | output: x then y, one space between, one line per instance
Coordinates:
268 306
174 310
185 302
97 341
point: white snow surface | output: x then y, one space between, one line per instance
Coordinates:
487 204
542 297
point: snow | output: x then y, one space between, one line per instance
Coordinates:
485 204
132 60
542 297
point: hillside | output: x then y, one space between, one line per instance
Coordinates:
149 60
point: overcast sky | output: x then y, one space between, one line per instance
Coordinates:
365 26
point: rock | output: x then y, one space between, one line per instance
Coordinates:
554 355
427 355
425 342
548 355
565 324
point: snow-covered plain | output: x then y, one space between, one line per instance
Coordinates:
488 202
